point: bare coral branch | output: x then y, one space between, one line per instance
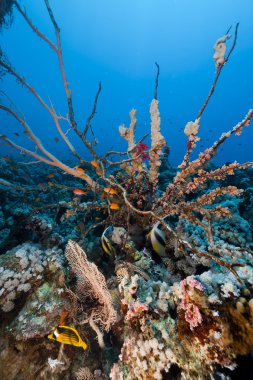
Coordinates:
87 125
157 80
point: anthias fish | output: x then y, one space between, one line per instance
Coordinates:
95 164
78 169
114 206
67 335
79 192
110 190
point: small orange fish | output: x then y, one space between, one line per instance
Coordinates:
78 169
79 192
51 175
56 139
110 191
103 196
63 316
68 214
50 183
95 164
99 171
6 158
114 206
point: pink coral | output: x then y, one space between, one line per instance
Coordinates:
192 313
193 283
136 309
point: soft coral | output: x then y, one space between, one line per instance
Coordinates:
141 147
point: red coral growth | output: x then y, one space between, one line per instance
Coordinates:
141 147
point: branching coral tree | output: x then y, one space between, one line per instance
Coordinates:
139 178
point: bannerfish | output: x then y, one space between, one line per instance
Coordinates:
158 240
67 335
106 244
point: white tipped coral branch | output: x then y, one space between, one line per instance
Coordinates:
220 60
128 133
218 174
181 181
157 143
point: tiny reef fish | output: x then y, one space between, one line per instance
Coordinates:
158 241
114 206
106 244
79 192
95 164
110 191
56 139
6 158
78 169
99 171
69 214
67 335
51 175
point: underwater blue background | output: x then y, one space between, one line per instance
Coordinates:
118 42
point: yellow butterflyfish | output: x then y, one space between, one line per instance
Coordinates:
67 335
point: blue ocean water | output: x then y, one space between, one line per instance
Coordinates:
118 44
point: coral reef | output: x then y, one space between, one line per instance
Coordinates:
181 312
23 268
